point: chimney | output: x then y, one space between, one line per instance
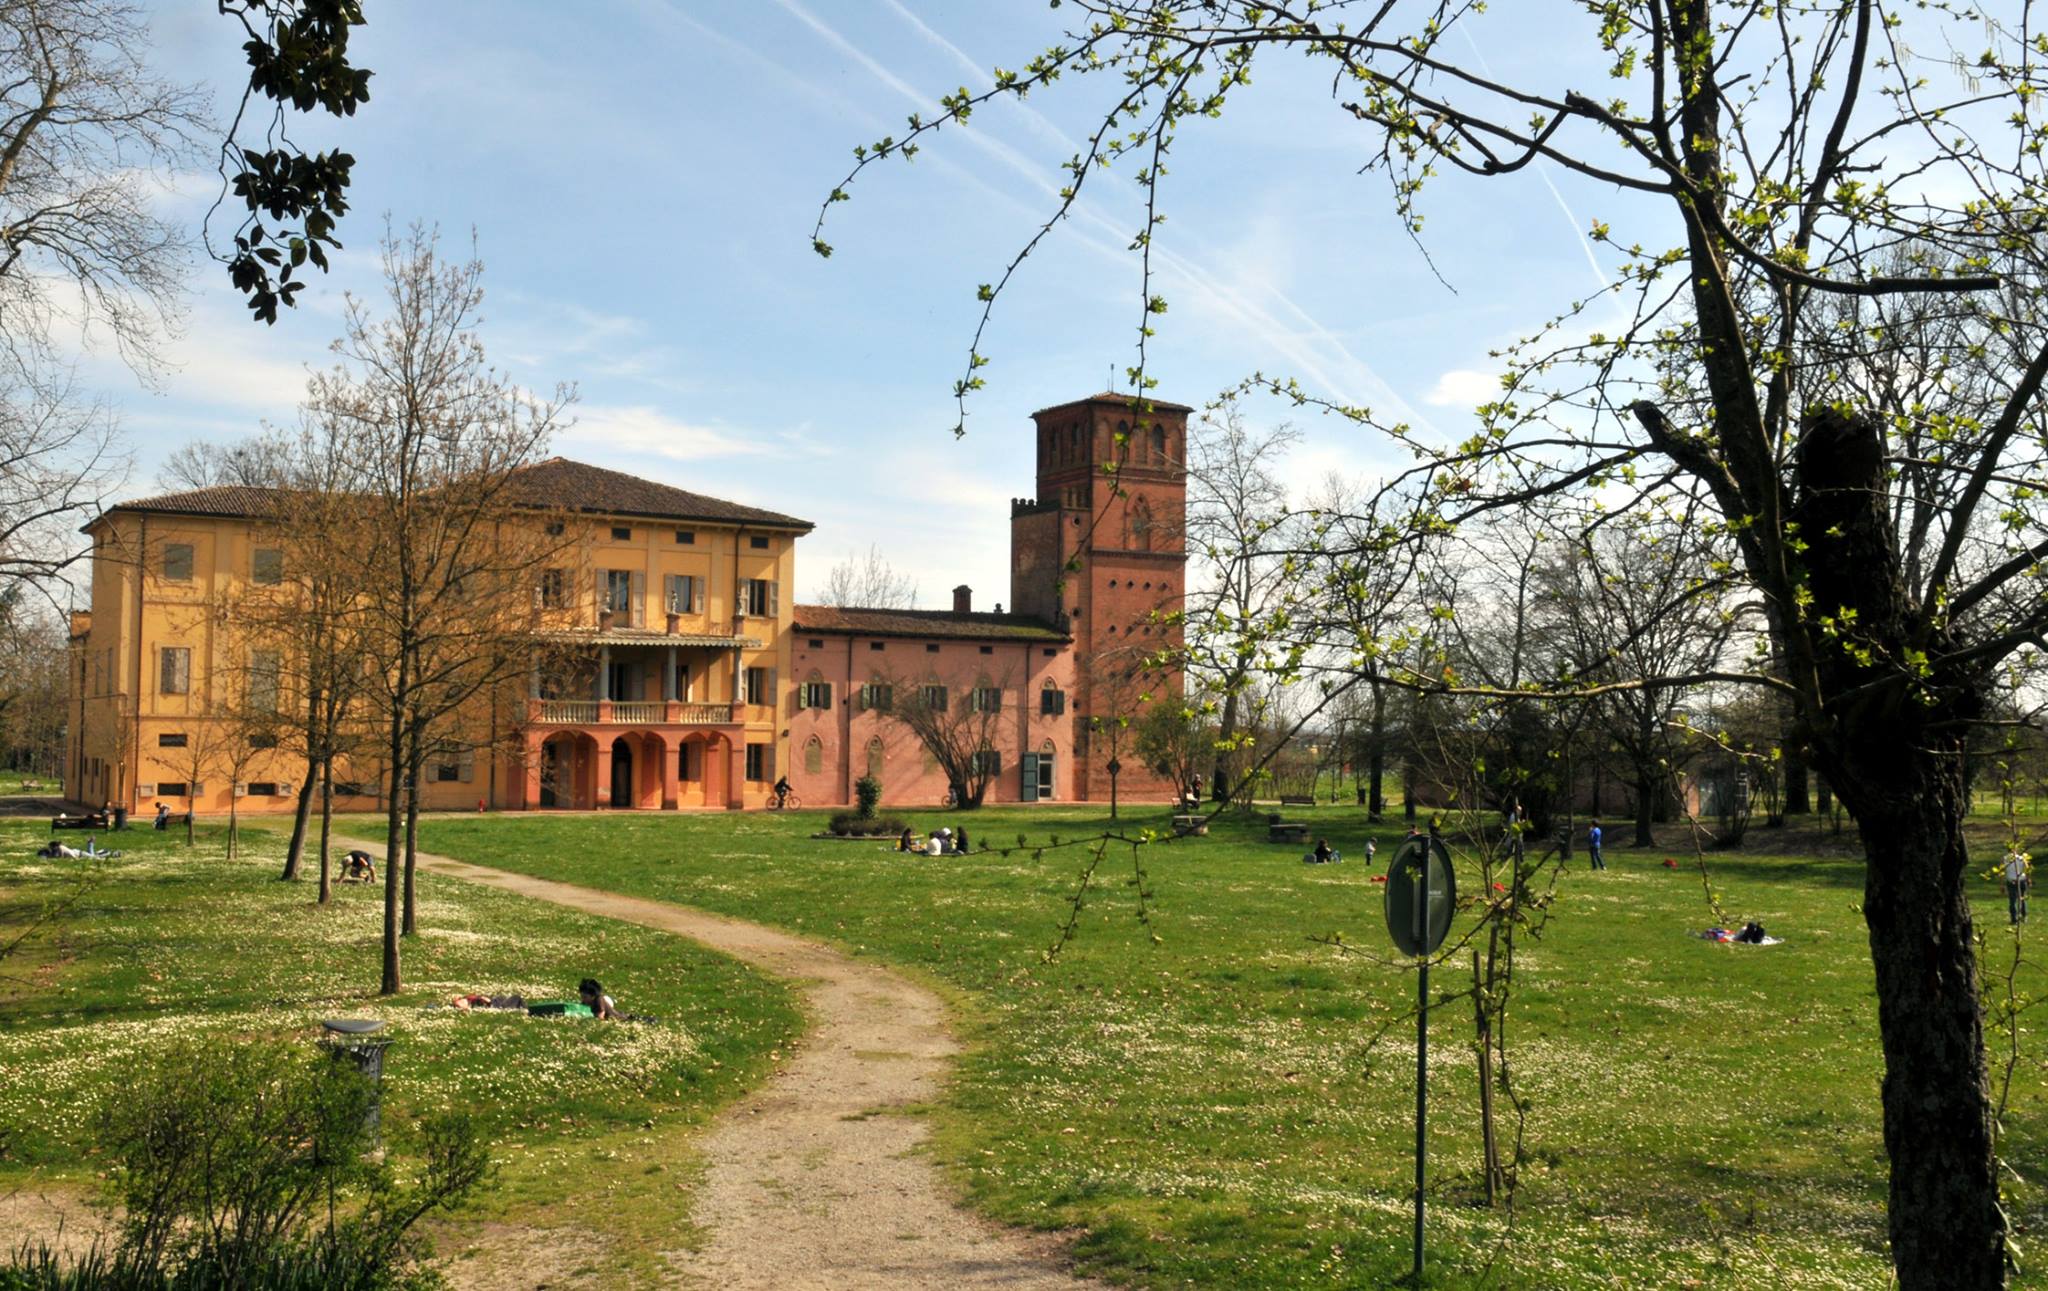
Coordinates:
963 599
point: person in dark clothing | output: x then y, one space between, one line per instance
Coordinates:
960 840
163 816
1323 852
904 844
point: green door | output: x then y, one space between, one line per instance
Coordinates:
1027 791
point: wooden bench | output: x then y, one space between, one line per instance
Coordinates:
1297 800
1287 832
84 820
1186 825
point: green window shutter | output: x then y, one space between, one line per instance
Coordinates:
1027 787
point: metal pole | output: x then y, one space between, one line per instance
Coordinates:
1421 1046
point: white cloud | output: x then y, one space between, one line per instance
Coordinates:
650 432
1463 388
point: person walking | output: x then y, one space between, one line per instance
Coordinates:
2018 878
1593 846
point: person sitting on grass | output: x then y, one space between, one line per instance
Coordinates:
960 841
594 999
907 843
358 867
1324 855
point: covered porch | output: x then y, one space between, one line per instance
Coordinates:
635 768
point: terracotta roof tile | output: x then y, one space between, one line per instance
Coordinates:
925 623
556 482
1120 400
559 482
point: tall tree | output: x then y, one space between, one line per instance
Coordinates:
449 546
1770 157
959 727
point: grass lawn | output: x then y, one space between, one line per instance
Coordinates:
1203 1111
590 1121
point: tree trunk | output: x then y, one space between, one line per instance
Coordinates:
394 821
1220 781
326 827
1376 798
1797 803
1823 797
1947 1229
410 924
1646 808
1408 789
296 848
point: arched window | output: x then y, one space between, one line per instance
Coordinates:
814 755
875 757
1052 701
1141 525
1159 444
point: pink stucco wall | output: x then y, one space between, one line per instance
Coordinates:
844 732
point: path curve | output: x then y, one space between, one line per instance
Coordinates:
806 1186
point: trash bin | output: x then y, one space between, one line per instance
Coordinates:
120 818
355 1041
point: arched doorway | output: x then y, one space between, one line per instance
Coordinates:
622 773
567 767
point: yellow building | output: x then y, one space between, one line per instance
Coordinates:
674 607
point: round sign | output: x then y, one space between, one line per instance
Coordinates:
1421 892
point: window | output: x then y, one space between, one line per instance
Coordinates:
683 594
264 670
618 590
760 685
554 589
686 537
761 596
266 566
875 757
350 789
170 789
446 772
931 647
816 644
174 670
932 697
758 544
1050 652
1052 701
876 645
987 699
621 533
815 694
988 762
1045 766
263 789
758 762
683 682
878 697
1159 443
554 528
262 742
814 756
178 561
171 740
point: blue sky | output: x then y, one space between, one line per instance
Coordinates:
642 178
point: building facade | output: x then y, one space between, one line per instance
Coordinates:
681 674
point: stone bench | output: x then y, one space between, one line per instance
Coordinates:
1186 825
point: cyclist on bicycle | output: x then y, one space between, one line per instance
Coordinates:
781 793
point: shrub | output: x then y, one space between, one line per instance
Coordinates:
248 1168
867 795
852 824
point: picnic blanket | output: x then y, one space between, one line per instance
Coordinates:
1727 936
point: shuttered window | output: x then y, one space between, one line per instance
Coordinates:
174 670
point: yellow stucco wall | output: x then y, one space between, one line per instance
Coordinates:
122 713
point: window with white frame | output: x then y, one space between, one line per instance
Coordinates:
760 687
174 670
986 699
761 596
683 594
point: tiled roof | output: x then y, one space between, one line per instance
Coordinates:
1121 400
925 623
239 500
559 482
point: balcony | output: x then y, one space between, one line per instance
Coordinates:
605 712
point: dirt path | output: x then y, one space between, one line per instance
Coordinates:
807 1185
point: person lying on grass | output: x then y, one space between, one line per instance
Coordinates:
594 999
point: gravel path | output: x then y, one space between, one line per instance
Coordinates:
811 1181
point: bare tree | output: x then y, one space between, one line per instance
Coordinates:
449 548
868 581
34 686
959 727
83 124
204 464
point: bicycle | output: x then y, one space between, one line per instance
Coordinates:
787 802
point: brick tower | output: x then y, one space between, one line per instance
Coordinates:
1099 552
